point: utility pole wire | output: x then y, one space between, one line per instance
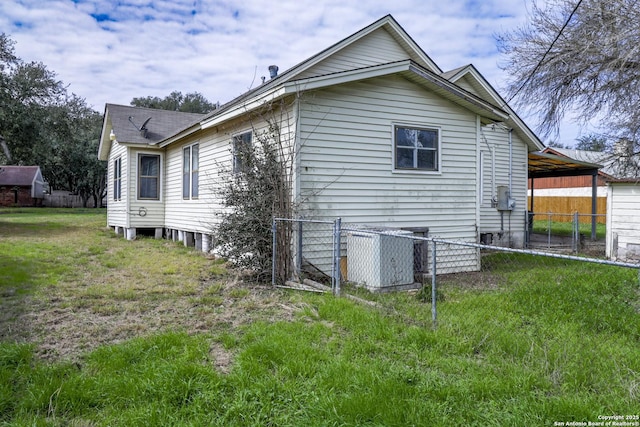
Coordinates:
546 53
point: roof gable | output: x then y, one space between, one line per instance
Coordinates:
379 46
385 31
469 78
22 176
407 69
382 41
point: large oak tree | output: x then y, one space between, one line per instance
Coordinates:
42 124
193 102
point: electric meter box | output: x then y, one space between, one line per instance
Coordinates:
505 202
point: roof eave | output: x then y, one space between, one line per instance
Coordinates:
244 107
332 79
535 143
387 22
453 92
180 135
490 111
105 140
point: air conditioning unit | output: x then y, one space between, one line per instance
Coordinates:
379 261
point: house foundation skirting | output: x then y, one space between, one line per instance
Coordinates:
200 241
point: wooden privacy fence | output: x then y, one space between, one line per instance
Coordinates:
569 205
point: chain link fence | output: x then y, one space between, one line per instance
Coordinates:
570 233
383 259
307 249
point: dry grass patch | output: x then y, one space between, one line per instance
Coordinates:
106 290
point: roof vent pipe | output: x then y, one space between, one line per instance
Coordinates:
273 70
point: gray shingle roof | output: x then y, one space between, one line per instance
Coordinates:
615 166
448 74
22 176
126 122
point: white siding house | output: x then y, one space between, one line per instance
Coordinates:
623 221
379 136
136 170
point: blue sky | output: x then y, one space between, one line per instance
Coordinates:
115 50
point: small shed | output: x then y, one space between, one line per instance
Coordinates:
623 221
21 186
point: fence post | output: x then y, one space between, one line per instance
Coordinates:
299 251
336 256
434 310
527 226
576 232
274 252
549 230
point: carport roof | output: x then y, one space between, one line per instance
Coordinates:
543 165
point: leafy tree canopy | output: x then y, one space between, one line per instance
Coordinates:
42 124
592 143
556 144
190 103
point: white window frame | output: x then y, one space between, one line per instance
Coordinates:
140 177
117 179
438 149
191 171
238 168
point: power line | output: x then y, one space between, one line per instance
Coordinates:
546 53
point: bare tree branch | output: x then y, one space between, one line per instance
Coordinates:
592 70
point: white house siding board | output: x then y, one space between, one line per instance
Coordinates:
464 84
144 213
376 48
215 151
196 215
623 228
188 214
367 94
474 87
117 212
377 104
491 221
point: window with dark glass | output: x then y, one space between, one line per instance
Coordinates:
416 148
195 169
149 176
241 145
190 169
117 179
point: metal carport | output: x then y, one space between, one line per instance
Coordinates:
545 165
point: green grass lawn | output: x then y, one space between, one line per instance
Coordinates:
559 228
96 330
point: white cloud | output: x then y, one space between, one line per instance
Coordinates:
113 51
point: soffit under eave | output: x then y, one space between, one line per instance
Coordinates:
544 165
180 136
526 134
484 90
105 139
